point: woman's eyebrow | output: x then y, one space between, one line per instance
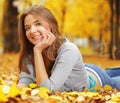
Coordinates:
36 21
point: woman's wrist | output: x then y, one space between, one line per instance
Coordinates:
37 50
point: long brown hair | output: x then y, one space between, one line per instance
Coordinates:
26 48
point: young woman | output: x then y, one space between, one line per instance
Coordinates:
46 57
49 59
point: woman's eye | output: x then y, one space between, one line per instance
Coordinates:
38 24
27 29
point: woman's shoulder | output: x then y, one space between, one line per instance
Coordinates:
68 45
69 50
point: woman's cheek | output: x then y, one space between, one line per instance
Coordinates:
43 30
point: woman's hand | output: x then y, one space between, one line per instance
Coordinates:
47 40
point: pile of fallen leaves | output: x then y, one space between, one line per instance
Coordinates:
10 93
34 94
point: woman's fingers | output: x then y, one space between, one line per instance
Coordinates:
47 38
50 38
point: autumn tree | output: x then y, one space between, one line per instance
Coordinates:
10 27
117 28
114 45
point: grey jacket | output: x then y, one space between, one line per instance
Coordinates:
68 72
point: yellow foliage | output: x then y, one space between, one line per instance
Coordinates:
3 97
14 91
91 94
2 81
56 98
72 93
97 88
115 98
33 85
43 92
24 90
107 87
52 100
79 17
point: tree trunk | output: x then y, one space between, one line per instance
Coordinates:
112 36
10 27
117 12
114 43
117 30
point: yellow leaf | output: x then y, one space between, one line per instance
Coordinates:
33 85
52 100
3 97
115 98
97 87
72 93
43 92
57 99
14 91
2 81
24 90
107 87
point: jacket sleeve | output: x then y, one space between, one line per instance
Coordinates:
26 78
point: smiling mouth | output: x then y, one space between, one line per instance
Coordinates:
36 37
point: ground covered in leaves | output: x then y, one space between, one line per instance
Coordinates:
101 60
9 93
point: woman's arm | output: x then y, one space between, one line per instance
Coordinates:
25 78
40 70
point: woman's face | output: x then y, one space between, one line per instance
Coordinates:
35 28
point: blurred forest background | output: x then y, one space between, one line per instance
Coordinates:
93 25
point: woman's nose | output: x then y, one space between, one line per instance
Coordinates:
33 29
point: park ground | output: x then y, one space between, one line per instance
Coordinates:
9 73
